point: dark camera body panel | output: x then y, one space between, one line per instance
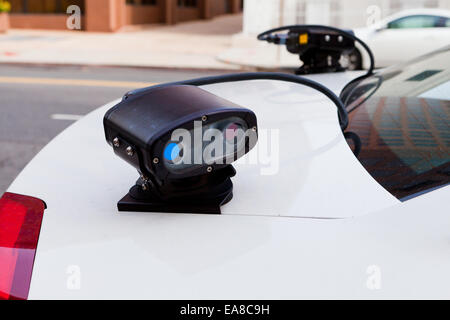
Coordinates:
316 41
145 122
321 52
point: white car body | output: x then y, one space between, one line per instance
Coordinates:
319 227
391 46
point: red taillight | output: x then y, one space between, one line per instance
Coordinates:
20 224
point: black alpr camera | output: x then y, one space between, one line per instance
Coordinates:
182 140
319 47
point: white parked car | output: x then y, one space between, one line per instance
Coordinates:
313 221
402 37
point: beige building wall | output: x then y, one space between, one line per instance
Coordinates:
111 15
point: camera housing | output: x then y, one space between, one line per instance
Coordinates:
319 47
320 50
166 133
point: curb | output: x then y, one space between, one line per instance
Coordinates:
79 65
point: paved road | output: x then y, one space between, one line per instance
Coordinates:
32 97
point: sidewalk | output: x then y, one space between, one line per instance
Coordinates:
188 45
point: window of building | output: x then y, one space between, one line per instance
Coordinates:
44 6
187 3
142 2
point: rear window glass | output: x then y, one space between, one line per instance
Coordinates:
402 119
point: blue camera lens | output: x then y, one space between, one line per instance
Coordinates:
172 152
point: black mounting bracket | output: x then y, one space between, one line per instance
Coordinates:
320 61
214 191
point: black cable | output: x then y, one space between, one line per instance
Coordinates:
342 112
349 90
301 27
356 141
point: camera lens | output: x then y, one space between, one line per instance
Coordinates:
173 152
231 132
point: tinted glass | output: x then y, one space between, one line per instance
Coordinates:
402 117
420 21
447 22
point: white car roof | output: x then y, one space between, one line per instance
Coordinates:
261 246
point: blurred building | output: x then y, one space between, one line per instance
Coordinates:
260 15
111 15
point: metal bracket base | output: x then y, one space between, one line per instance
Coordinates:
209 206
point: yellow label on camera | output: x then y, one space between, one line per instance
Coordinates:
303 38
